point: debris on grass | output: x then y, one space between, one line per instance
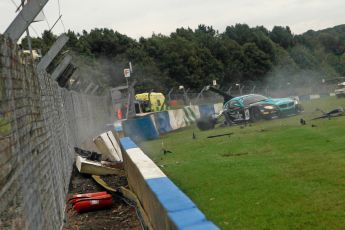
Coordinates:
164 150
194 136
302 121
333 113
220 135
233 154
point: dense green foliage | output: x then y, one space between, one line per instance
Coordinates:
271 175
194 58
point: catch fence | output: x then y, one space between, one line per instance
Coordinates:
206 97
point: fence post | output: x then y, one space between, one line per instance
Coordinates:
25 17
169 94
229 90
253 89
241 89
200 95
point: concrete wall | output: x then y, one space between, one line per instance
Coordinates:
165 204
40 124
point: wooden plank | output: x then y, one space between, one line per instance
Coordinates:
95 168
115 144
108 146
101 182
131 196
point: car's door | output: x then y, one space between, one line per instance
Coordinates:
235 109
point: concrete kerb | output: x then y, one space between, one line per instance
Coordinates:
165 204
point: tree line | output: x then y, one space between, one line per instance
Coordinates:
195 57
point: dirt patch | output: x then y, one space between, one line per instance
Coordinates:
119 216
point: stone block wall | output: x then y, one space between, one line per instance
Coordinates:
40 124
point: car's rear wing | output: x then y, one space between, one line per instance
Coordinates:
226 96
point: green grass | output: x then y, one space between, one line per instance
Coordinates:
273 175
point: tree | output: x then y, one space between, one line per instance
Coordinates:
194 58
256 62
282 36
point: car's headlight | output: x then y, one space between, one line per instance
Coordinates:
269 107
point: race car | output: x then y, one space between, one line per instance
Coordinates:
255 107
250 107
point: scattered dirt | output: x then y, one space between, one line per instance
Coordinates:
119 216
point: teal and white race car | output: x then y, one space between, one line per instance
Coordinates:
254 107
250 108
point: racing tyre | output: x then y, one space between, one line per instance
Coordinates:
206 124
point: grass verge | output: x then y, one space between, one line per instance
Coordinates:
273 174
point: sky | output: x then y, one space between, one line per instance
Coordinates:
142 18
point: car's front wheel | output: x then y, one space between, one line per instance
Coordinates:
255 114
298 108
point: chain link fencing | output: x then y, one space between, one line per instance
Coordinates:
207 97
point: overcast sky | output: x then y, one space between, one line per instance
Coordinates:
137 18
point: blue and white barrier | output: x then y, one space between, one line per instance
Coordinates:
206 110
177 120
143 128
315 96
162 120
218 107
165 204
190 114
150 126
